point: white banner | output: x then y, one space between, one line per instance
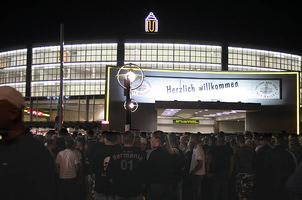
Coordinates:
227 90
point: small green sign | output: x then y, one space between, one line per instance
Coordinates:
185 121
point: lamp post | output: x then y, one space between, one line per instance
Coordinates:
133 78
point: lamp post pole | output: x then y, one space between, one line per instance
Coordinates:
61 77
128 101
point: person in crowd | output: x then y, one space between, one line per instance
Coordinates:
280 163
234 144
126 170
137 142
187 182
26 167
143 146
51 146
205 144
250 143
40 138
183 143
243 158
220 168
294 184
63 135
75 134
179 167
299 150
67 165
80 147
90 135
93 145
256 140
260 172
103 188
197 167
293 146
159 168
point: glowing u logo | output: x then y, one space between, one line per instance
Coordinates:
151 23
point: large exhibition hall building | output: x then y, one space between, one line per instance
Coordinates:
189 85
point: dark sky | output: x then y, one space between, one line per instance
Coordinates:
257 23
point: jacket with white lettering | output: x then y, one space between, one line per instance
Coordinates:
126 168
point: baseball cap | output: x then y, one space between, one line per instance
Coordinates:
12 95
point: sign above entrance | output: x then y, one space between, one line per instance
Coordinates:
185 121
151 23
217 89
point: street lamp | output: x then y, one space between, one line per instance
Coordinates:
130 77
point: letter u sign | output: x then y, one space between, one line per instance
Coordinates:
151 23
152 26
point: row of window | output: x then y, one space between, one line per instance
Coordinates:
76 53
74 88
13 58
260 58
88 62
81 71
172 53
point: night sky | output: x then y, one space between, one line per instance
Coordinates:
275 26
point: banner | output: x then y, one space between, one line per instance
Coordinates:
227 90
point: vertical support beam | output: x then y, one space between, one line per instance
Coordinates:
61 76
120 52
87 109
28 70
225 56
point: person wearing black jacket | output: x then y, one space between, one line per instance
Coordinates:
280 163
103 188
126 170
160 168
260 172
26 166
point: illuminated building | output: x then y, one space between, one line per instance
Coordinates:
34 71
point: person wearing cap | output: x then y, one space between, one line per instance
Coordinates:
26 167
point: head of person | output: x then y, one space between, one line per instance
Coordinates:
11 105
64 133
233 144
51 144
110 138
264 139
220 139
173 140
128 138
194 139
90 133
69 143
240 140
80 142
160 139
281 141
143 143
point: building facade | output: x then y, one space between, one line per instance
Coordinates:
34 71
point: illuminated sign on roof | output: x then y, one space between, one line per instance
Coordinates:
151 23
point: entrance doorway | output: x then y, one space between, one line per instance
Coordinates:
204 117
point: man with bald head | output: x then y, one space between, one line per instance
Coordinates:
26 168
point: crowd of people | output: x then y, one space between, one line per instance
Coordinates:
151 166
174 166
